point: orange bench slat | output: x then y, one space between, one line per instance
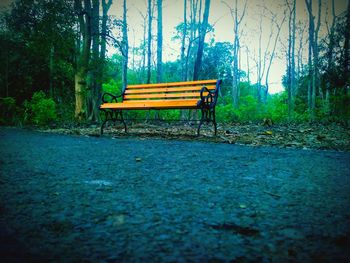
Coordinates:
152 104
166 89
174 84
164 95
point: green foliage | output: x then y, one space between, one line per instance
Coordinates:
277 107
170 114
112 87
8 110
40 110
31 33
226 113
249 110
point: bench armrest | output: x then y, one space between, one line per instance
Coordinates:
209 101
113 97
206 101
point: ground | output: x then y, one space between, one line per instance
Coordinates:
73 198
331 136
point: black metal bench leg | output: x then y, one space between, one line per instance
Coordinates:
113 116
122 120
208 115
201 122
103 124
214 122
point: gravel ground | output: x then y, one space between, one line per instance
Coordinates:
67 198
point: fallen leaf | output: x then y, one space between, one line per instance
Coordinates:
268 132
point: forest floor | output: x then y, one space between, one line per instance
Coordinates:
319 136
72 198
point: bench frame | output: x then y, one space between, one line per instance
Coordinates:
206 103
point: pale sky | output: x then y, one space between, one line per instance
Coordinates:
220 16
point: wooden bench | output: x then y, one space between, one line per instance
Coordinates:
202 94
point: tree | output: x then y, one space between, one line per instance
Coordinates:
125 48
159 40
183 42
237 20
346 48
93 92
273 51
214 66
194 24
106 4
266 55
311 97
313 56
32 62
202 33
149 42
291 56
316 73
82 67
330 58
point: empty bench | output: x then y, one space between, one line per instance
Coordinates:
202 94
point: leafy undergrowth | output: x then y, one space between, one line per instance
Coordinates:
307 136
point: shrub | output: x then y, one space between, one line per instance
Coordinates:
40 110
250 109
112 87
277 107
8 110
226 113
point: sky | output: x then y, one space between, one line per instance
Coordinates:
220 16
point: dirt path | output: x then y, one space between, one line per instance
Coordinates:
77 198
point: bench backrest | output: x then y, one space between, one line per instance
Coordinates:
189 90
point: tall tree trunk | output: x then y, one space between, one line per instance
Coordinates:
159 40
291 57
272 54
346 69
193 34
183 42
125 48
316 79
143 48
236 50
300 56
311 104
330 67
259 66
346 48
84 18
51 69
159 45
248 67
183 60
292 72
106 4
235 72
202 33
93 93
149 42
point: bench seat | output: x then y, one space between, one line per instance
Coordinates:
152 105
200 94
